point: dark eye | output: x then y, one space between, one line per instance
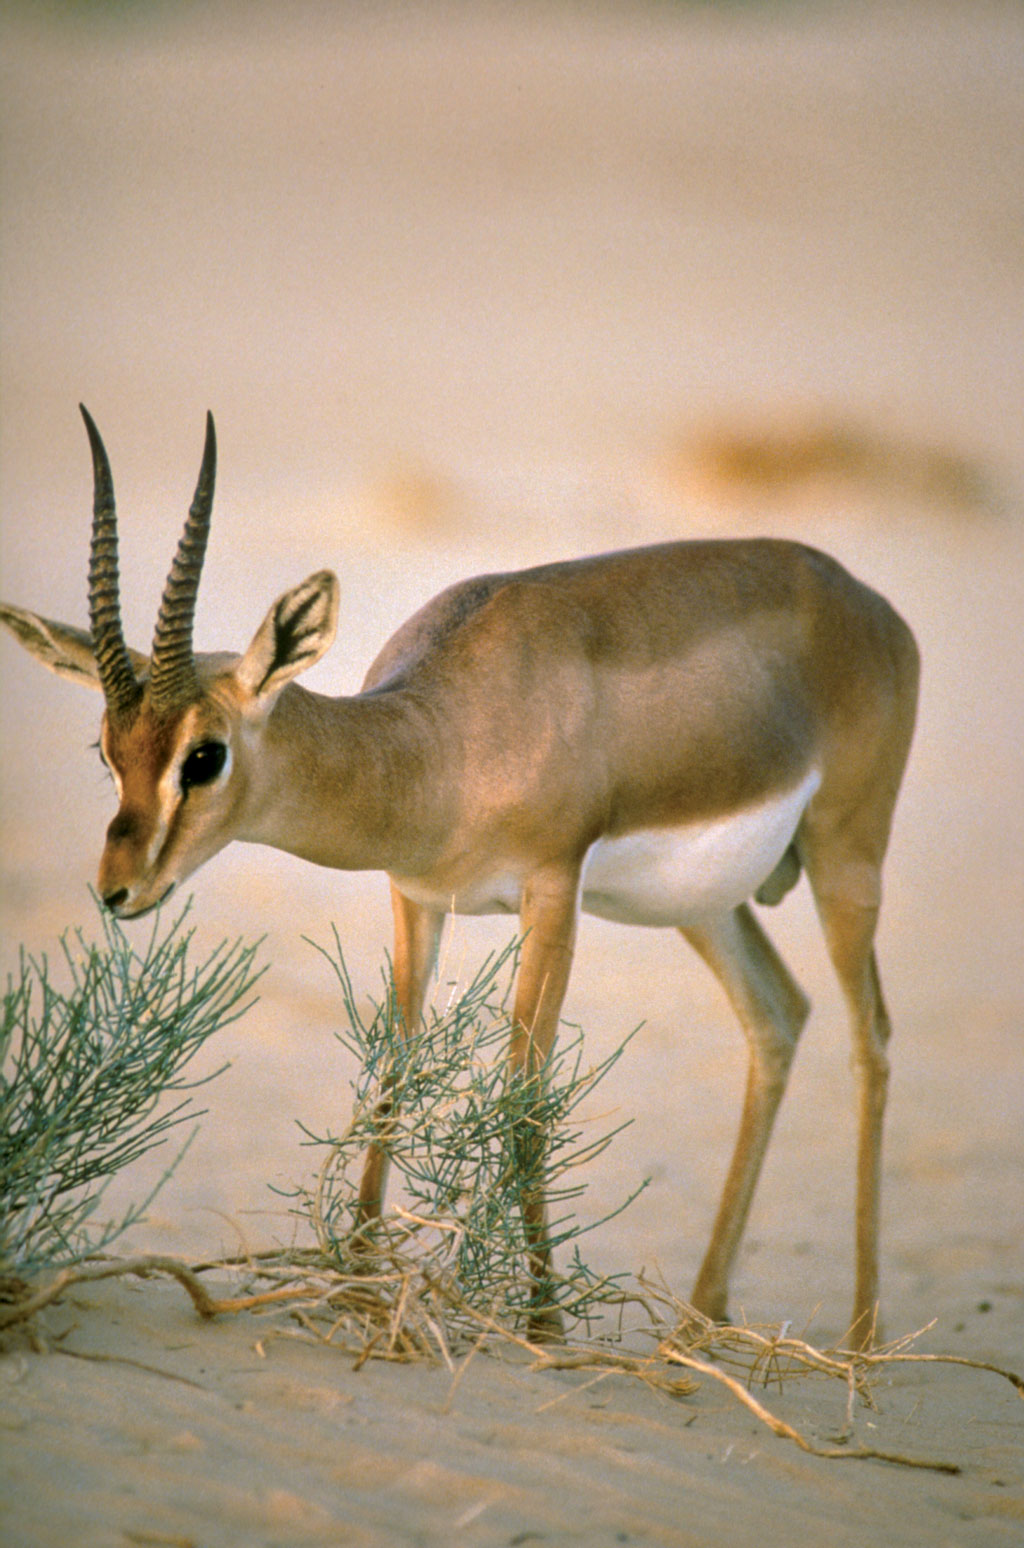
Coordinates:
203 764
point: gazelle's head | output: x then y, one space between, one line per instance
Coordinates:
181 733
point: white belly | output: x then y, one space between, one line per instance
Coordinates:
658 876
674 876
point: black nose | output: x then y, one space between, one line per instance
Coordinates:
113 900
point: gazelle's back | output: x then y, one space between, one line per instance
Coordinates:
658 602
705 670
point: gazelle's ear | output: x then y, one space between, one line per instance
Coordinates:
65 650
296 632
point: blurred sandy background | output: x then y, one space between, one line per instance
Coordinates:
468 287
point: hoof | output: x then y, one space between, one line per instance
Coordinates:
545 1326
865 1334
709 1307
694 1325
360 1249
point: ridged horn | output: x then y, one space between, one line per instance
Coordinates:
121 688
173 678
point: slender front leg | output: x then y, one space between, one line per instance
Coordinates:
548 918
417 938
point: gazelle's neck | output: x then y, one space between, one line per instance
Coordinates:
341 782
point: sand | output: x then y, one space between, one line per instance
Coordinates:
468 288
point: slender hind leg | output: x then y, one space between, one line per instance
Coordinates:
772 1010
849 927
417 937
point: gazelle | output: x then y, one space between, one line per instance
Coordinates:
655 736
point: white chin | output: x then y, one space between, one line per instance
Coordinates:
129 911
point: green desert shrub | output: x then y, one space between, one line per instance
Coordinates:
466 1140
92 1061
